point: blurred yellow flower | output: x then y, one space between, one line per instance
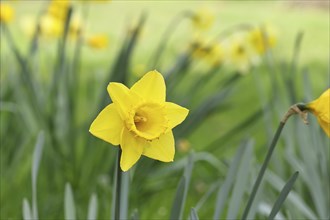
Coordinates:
99 41
51 27
140 120
240 55
6 13
76 27
212 53
203 19
260 39
321 109
59 9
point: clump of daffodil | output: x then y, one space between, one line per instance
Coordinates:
140 120
321 109
6 13
58 9
262 38
98 41
203 19
240 55
210 52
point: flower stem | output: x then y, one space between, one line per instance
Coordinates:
118 185
295 109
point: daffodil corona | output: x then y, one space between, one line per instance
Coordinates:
140 120
321 109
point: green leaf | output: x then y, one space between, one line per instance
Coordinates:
241 182
35 168
293 197
92 207
223 192
193 214
69 206
27 215
284 193
182 190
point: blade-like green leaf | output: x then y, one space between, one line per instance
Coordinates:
182 190
293 197
241 181
193 214
92 207
284 193
69 206
35 167
223 192
27 215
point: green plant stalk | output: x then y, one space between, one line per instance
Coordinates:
295 109
118 186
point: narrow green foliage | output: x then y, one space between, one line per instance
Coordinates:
35 168
92 207
225 187
69 205
241 182
182 190
284 193
193 214
27 214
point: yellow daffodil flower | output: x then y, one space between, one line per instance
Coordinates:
321 109
140 120
203 19
58 9
260 39
240 55
212 54
6 13
99 41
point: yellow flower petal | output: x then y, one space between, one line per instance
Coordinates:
123 98
132 148
162 148
151 87
325 126
108 125
321 109
175 114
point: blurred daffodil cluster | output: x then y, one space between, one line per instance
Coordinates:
240 50
58 16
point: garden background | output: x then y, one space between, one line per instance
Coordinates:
53 87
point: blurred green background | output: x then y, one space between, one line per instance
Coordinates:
153 184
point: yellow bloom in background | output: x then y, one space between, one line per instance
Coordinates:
50 26
140 120
261 38
6 13
98 41
211 53
321 109
203 19
59 9
240 55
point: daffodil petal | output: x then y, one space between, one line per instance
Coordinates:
108 125
151 87
175 114
122 97
132 148
325 126
162 148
